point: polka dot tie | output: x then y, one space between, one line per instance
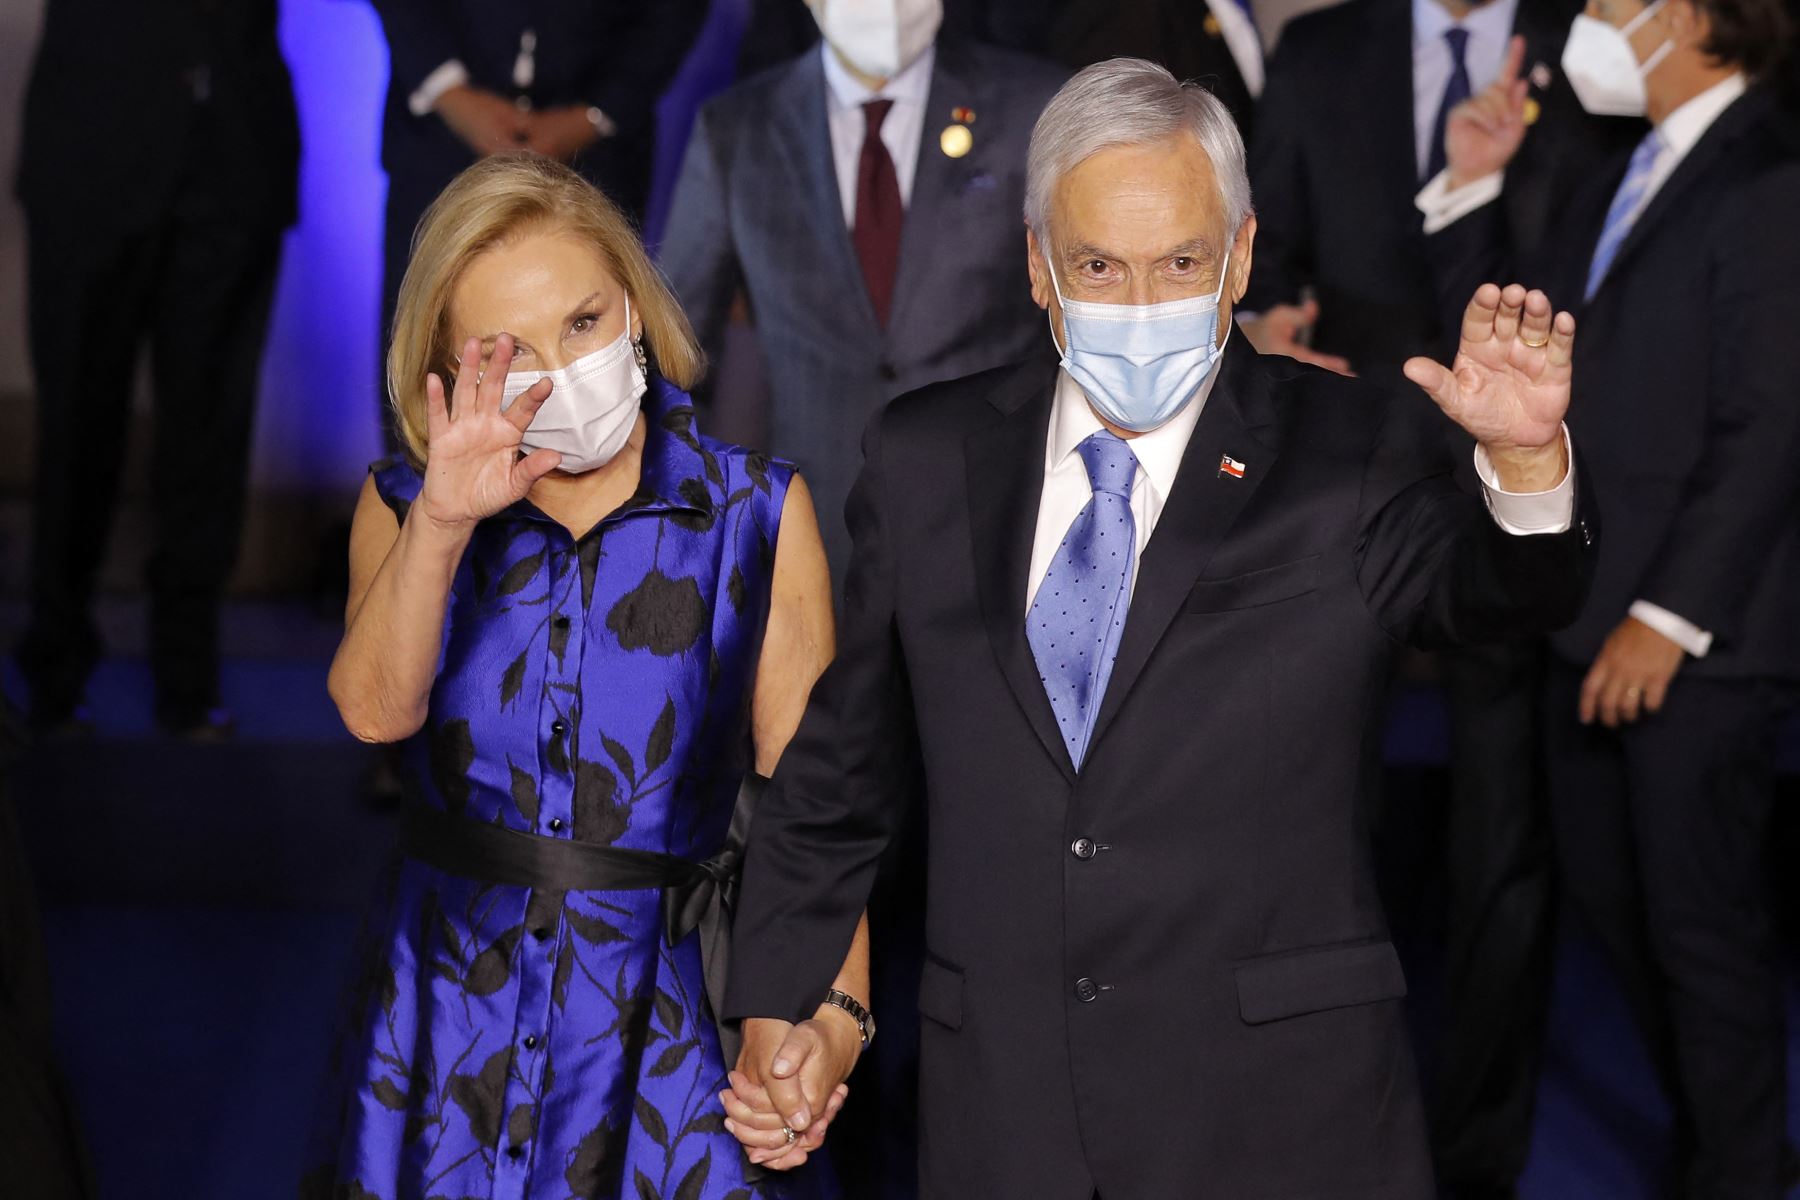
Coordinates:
1079 611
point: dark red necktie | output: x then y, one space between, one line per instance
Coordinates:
878 212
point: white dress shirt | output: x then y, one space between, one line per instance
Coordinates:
1159 452
1242 40
1681 130
901 129
1490 28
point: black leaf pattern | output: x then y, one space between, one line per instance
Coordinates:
758 466
670 1060
662 737
520 1125
652 1121
559 638
524 793
736 588
451 939
694 492
593 930
493 966
668 1011
621 757
588 554
588 1172
452 753
387 988
738 1193
556 754
712 467
512 680
599 816
645 1189
389 1093
559 980
417 1122
520 574
480 1096
693 1184
662 615
711 1121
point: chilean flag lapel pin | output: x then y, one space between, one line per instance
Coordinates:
1231 466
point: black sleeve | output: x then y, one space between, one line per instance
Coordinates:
643 53
1742 497
839 794
1278 184
1436 569
419 40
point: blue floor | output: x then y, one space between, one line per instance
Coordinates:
200 904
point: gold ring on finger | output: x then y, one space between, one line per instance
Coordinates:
1634 692
1537 345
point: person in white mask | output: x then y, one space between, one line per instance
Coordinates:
588 623
1132 604
1681 254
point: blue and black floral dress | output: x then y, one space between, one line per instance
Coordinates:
512 1041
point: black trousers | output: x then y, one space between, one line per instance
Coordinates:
196 286
1500 872
1662 836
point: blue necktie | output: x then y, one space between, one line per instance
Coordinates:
1079 611
1455 92
1625 204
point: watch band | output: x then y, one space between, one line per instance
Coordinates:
865 1022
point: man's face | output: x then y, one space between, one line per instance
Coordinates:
1140 225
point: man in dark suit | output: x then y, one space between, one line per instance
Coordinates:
1663 696
873 264
1155 955
577 80
157 172
1352 126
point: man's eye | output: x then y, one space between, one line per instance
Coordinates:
1183 264
1094 266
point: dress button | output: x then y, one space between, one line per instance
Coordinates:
556 824
515 1152
1086 990
541 933
1082 848
531 1041
558 728
561 622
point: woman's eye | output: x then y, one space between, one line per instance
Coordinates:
585 323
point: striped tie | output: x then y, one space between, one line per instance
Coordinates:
1625 205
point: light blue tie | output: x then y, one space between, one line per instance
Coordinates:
1079 611
1625 204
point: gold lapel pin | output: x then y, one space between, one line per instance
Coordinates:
956 140
1212 26
1533 110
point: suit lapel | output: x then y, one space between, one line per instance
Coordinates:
1196 517
805 140
937 187
1386 78
1725 130
1005 463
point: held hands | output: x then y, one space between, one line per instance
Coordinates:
473 469
1509 385
1483 133
1278 331
1630 676
491 124
790 1077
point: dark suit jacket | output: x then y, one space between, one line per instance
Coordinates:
1687 385
757 208
112 120
1209 1000
1334 171
618 55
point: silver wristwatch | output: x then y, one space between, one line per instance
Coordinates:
864 1021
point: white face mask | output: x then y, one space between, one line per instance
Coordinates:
880 38
592 406
1603 68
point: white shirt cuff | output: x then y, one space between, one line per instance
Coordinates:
1683 632
1443 207
1525 513
425 98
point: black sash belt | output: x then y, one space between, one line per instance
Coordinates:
695 895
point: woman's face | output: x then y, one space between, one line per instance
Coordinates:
550 290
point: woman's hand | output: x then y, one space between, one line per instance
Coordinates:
473 469
790 1077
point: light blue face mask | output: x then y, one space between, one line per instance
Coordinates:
1140 364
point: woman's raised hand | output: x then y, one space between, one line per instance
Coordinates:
472 467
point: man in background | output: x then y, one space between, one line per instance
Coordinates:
158 170
575 80
1680 254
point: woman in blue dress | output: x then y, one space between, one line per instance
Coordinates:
589 623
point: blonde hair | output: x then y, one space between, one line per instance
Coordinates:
491 202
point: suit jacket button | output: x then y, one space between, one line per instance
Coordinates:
1082 848
887 372
1086 990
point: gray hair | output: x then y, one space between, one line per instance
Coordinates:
1131 102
